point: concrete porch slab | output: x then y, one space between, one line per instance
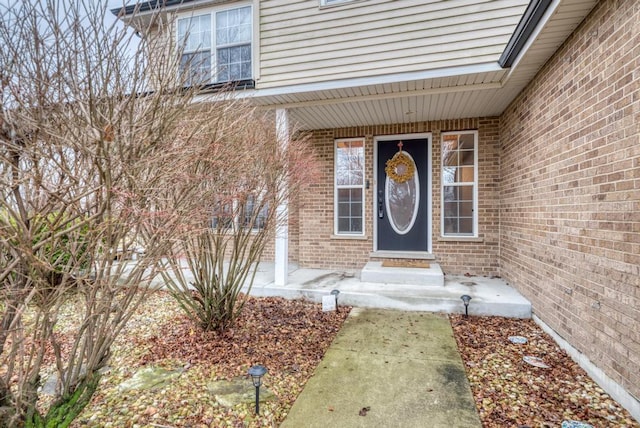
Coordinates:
489 296
432 276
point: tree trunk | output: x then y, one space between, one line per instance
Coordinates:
65 410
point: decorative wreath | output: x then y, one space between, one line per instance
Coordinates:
400 168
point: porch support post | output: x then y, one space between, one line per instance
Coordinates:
282 211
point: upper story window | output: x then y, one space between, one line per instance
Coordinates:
217 46
460 183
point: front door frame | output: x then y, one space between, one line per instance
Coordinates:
374 208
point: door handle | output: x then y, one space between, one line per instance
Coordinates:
380 207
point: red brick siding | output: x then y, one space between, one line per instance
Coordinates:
570 191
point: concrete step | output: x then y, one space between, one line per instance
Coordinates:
374 272
489 296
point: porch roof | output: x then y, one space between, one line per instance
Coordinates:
480 90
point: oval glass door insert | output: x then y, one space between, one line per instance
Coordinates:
402 201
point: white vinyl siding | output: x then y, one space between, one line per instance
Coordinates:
302 42
459 184
349 187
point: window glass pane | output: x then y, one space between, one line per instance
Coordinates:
350 163
467 141
450 193
465 174
344 209
195 68
451 209
466 209
195 32
450 225
449 174
233 26
233 65
466 226
466 157
356 224
465 193
356 208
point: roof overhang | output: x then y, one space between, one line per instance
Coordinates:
483 90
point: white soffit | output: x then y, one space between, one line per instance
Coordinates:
485 92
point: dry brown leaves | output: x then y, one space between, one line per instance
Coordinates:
511 393
289 337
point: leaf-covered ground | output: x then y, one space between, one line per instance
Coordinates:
290 338
512 393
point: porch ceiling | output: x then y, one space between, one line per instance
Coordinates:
478 91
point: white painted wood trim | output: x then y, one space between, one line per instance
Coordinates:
476 154
282 211
363 187
255 41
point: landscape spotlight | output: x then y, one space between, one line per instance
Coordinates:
256 373
335 293
466 299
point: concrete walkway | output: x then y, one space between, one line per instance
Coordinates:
388 369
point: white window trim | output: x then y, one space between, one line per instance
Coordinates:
475 187
336 187
212 12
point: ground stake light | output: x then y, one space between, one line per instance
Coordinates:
466 299
256 373
335 294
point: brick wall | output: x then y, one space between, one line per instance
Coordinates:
570 191
318 248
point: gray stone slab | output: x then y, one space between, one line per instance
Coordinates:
229 393
150 378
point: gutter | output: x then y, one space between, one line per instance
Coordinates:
147 6
527 25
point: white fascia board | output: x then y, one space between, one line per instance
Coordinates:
534 36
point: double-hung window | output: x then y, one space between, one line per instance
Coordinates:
349 186
255 213
460 184
247 212
217 46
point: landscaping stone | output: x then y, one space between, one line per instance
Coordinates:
239 390
150 378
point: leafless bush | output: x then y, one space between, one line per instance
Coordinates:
91 157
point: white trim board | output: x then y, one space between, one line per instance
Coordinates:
614 389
